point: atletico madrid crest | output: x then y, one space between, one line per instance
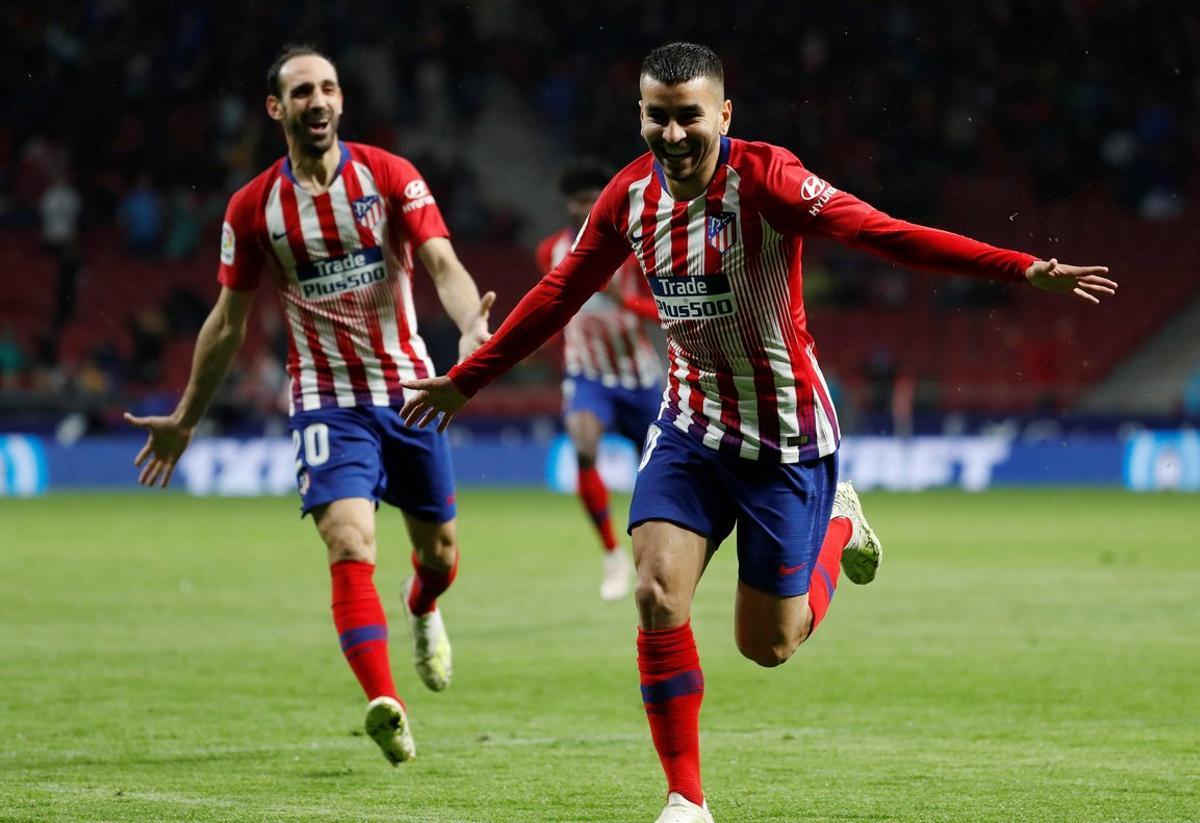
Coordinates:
722 231
368 211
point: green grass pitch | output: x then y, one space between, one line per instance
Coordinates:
1023 656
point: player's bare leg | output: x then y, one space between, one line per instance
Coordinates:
435 564
348 528
585 431
670 561
769 628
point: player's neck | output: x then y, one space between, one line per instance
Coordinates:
315 174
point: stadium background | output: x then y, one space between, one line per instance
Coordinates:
141 118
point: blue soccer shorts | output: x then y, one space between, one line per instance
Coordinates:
781 510
367 451
627 412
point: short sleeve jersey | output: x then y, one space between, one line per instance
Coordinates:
342 263
606 342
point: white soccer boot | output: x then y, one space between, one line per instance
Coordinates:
431 645
387 725
681 810
862 555
618 571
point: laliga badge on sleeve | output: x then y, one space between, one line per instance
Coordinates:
228 241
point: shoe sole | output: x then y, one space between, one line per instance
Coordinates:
384 722
861 562
432 681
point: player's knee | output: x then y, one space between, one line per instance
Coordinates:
657 604
438 548
349 541
768 655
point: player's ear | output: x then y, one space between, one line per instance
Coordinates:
726 116
274 107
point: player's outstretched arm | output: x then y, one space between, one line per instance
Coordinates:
168 436
458 293
1087 283
435 395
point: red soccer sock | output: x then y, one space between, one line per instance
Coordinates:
428 584
823 582
672 689
362 627
594 495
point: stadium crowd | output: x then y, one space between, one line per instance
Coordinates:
135 121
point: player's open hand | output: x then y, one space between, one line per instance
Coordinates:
435 395
478 334
167 438
1085 282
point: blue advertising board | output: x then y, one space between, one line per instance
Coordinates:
237 467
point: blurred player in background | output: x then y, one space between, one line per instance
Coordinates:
334 226
747 434
613 374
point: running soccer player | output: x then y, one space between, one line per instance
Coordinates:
334 226
612 371
747 434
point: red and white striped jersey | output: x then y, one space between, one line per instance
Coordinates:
342 262
726 276
606 341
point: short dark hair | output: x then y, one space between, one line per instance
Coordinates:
289 51
586 173
680 62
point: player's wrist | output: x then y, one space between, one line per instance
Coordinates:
461 382
184 421
475 328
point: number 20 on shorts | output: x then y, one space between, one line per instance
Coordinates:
315 443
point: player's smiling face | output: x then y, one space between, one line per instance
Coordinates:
310 105
682 123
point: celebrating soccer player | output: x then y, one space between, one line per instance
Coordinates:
613 374
747 434
334 225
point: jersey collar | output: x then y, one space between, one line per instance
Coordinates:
345 158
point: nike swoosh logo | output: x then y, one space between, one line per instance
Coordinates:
786 570
280 235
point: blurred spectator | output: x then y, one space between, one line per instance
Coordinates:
60 207
42 161
185 223
880 374
148 331
13 361
1191 396
141 214
49 376
91 379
